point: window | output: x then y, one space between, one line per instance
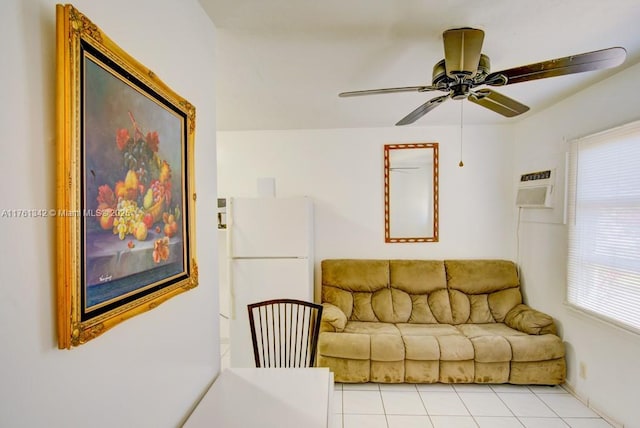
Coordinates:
604 225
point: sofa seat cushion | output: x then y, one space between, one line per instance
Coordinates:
364 327
348 346
387 347
455 348
497 342
490 329
421 348
452 344
536 348
491 349
377 341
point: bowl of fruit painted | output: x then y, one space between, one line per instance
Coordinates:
136 232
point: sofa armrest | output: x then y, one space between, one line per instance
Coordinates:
333 319
530 321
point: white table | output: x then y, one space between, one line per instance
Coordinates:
270 398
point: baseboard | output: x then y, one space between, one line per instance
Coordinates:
571 390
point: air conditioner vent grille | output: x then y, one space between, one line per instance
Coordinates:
534 197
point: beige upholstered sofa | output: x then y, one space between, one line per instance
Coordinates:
423 321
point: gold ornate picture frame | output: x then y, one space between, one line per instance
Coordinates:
125 215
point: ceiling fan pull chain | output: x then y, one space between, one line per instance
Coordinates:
461 164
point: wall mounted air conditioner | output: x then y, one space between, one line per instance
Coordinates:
535 189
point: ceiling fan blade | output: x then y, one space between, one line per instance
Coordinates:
422 110
589 61
497 102
388 91
462 48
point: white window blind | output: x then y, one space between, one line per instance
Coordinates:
604 225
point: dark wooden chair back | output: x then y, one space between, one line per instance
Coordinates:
284 332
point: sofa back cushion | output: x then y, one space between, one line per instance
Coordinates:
421 291
394 291
350 284
482 291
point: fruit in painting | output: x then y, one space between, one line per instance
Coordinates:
106 219
131 180
170 225
147 219
128 215
148 199
132 206
161 250
129 188
106 198
140 231
168 230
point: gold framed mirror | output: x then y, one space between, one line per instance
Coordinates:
411 192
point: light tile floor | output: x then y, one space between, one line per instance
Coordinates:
372 405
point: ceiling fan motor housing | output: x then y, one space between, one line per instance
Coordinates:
460 85
460 91
440 72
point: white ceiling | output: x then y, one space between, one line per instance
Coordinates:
281 63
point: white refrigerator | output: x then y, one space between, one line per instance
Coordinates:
270 257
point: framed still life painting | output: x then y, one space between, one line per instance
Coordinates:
125 217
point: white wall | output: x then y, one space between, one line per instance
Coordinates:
342 171
609 354
149 370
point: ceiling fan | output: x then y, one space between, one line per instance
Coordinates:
465 68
